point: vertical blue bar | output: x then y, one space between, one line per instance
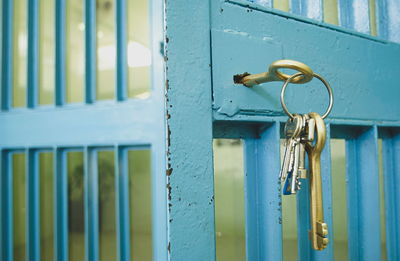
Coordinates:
33 206
303 220
60 52
263 198
391 167
33 53
382 20
363 196
354 14
7 54
121 79
90 51
388 20
61 206
309 8
122 203
91 192
6 207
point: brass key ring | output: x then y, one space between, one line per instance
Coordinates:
292 78
305 74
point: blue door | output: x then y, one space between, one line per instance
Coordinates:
109 109
354 46
82 130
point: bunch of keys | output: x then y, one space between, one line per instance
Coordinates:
298 131
300 135
305 134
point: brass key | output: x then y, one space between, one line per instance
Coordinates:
319 229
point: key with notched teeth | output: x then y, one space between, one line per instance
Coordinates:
293 128
319 229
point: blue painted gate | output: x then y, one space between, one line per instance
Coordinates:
228 37
197 47
118 125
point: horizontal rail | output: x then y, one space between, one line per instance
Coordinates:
102 123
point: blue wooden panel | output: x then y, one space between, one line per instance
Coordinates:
189 132
121 62
263 196
61 206
90 51
60 40
343 58
354 14
6 207
33 54
122 203
391 167
309 8
7 54
33 205
388 19
363 196
91 194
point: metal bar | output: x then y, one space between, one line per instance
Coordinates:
61 206
33 205
90 51
363 195
309 8
354 14
122 203
391 168
60 53
6 207
121 62
93 129
7 54
388 20
33 54
303 220
158 144
91 192
189 146
262 196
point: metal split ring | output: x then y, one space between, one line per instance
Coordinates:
290 80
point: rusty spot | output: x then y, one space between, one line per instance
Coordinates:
166 39
169 191
169 171
238 78
168 136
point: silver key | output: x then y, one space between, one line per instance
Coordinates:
294 181
302 171
293 129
